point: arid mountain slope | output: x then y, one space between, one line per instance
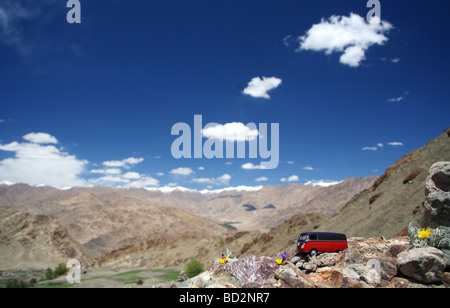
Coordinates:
258 210
103 223
396 197
177 253
31 241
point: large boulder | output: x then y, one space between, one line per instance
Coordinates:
437 206
251 269
437 191
425 265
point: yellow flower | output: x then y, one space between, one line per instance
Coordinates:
279 261
223 260
424 233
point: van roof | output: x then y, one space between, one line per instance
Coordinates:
323 233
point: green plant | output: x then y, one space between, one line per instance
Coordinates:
60 270
421 237
49 274
193 268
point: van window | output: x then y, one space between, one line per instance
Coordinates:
313 237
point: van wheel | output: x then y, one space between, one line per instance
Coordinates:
313 252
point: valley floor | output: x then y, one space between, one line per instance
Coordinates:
97 278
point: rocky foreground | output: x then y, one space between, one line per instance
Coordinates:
367 263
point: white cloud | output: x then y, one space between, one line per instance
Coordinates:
12 15
395 60
287 40
160 174
182 171
381 145
201 168
129 180
38 164
258 87
262 179
41 138
107 171
132 176
251 166
309 168
352 36
143 182
125 163
1 120
291 162
221 180
322 183
231 131
292 178
370 149
395 99
113 179
133 160
396 144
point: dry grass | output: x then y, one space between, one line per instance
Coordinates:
412 175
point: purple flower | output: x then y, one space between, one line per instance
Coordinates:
284 256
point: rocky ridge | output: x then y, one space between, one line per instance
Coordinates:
367 263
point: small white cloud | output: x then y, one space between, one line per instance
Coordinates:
292 178
352 36
262 179
132 176
309 168
201 168
133 160
396 144
106 171
380 145
1 120
125 163
40 138
143 182
395 99
287 40
113 179
221 180
259 88
231 131
182 171
370 149
291 162
395 60
251 166
322 183
160 174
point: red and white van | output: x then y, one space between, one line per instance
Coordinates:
314 243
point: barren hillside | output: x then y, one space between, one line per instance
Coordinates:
396 197
35 241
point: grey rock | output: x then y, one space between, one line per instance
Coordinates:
422 264
252 269
437 191
293 277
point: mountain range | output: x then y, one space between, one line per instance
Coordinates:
40 226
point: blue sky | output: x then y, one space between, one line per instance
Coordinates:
94 103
